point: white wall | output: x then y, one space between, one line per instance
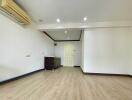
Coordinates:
108 50
16 43
82 50
59 51
130 70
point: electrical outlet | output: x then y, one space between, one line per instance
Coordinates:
28 55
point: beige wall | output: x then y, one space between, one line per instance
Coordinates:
108 50
16 43
59 51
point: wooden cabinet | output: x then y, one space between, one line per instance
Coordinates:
52 63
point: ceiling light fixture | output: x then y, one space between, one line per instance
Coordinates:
40 20
58 20
65 32
85 19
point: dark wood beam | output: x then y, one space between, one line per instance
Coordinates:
48 35
61 40
65 40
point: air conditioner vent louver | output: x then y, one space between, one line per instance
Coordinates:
12 8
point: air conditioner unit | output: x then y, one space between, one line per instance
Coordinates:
10 7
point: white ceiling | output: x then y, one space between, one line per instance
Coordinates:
73 11
59 34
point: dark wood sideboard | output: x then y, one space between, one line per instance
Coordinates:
52 63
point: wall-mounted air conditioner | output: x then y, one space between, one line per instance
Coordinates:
10 7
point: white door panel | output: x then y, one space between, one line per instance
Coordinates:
68 55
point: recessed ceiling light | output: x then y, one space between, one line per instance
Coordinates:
58 20
65 32
40 20
85 19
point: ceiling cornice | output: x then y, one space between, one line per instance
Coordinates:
61 40
82 26
85 25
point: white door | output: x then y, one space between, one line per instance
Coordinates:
68 55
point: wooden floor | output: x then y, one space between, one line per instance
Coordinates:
67 84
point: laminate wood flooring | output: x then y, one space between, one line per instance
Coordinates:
67 84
